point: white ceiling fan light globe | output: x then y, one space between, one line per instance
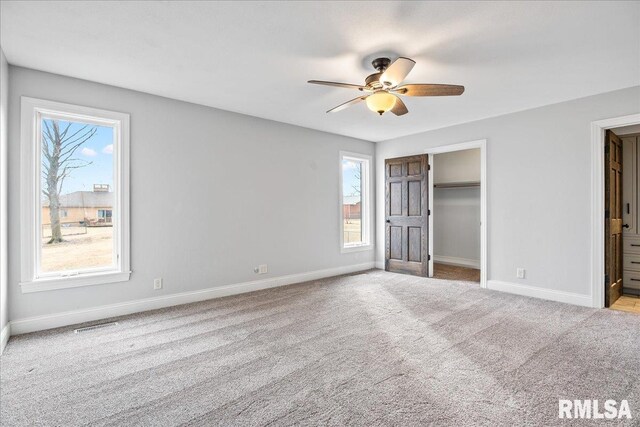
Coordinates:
381 102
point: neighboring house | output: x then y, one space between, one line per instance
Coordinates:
93 207
351 207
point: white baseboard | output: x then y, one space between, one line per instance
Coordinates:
548 294
39 323
463 262
4 336
380 265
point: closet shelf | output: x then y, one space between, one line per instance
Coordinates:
457 184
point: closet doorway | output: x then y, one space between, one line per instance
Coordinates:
456 215
457 224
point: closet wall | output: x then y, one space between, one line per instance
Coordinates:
630 212
456 210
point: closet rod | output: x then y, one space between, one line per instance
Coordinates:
457 184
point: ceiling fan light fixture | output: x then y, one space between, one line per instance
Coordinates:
381 102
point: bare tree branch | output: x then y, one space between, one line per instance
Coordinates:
67 141
64 133
357 188
68 153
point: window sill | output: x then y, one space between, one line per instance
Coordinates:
357 248
50 284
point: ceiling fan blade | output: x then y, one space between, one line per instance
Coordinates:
399 108
343 85
429 90
397 72
347 104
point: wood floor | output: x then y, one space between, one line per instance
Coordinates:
628 303
453 272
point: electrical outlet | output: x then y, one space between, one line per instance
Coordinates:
520 272
261 269
157 283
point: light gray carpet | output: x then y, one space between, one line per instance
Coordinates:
368 349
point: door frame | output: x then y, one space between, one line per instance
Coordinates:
598 129
482 145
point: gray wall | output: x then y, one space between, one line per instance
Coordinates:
456 225
213 194
456 211
4 89
538 186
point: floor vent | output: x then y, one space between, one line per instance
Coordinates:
94 327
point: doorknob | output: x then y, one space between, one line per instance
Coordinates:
625 225
388 221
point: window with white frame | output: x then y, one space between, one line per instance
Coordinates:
75 196
354 201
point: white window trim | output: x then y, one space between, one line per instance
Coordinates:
31 109
365 210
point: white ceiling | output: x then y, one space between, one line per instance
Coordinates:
627 130
255 57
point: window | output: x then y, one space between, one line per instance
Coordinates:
104 215
354 202
75 196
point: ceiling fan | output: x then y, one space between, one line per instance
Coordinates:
383 87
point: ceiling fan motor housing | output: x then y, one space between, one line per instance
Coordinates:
373 81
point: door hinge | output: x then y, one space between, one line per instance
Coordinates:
428 257
428 167
428 211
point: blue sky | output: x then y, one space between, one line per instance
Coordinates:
349 170
97 150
